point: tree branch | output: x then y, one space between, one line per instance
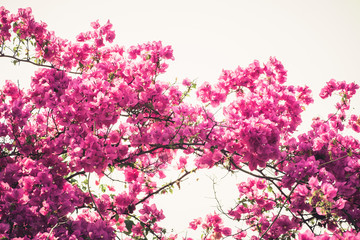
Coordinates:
74 175
277 216
92 198
167 185
36 64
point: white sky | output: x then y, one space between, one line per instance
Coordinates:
315 40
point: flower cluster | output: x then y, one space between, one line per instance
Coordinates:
97 109
212 226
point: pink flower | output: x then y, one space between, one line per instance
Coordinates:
340 203
95 25
182 162
313 182
321 211
240 235
307 235
161 175
110 36
137 230
131 174
329 191
114 137
261 184
186 82
195 223
226 231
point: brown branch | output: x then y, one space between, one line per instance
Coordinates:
74 175
250 173
147 225
36 64
167 185
277 216
92 198
334 160
351 220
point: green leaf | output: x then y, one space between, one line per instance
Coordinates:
102 187
129 224
310 200
29 139
85 181
111 76
73 181
64 156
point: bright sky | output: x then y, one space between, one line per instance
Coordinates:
315 40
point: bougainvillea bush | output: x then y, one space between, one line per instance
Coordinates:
96 111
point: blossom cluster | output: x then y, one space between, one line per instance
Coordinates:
98 110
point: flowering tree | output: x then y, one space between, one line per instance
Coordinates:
98 111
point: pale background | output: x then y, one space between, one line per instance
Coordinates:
316 40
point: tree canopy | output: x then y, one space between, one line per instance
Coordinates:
97 110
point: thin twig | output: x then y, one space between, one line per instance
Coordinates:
74 175
92 198
277 216
167 185
334 160
36 64
250 173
